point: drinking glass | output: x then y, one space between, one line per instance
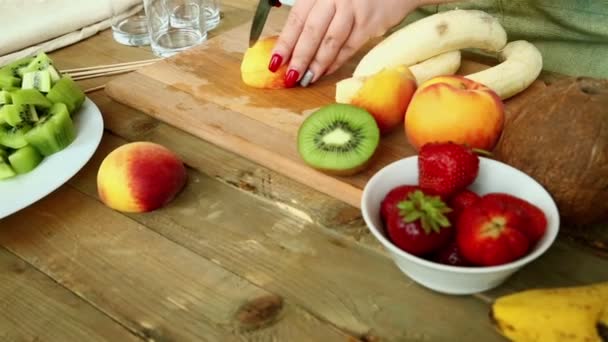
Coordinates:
212 7
175 25
128 29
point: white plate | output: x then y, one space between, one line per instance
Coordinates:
21 191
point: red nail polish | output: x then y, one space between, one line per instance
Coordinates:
275 62
291 78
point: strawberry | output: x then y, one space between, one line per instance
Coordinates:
419 226
492 232
460 201
450 255
536 221
396 195
446 168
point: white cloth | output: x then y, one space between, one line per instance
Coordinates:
31 26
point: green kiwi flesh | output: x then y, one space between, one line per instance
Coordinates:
6 171
40 80
338 139
5 97
25 159
15 114
53 132
30 97
68 92
13 137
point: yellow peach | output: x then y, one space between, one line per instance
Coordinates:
386 95
254 66
453 108
140 177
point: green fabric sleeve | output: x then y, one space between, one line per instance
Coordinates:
572 35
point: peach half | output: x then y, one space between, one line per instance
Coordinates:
139 177
454 108
254 66
385 95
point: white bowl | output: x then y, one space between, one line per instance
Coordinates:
494 176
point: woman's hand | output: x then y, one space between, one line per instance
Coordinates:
321 35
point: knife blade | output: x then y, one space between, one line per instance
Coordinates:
259 20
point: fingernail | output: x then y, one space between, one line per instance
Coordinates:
308 76
275 62
291 78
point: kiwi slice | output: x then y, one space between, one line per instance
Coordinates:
8 81
53 132
30 97
5 97
338 139
14 114
67 91
42 62
14 137
40 80
6 171
12 69
25 159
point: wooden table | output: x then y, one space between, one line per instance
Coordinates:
242 254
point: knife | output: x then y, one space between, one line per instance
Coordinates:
260 16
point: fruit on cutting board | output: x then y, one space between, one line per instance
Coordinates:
140 177
447 168
254 66
573 313
419 226
493 231
385 95
453 108
338 139
37 105
558 134
443 64
521 63
433 35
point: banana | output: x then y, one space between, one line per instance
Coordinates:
433 35
521 63
573 314
444 64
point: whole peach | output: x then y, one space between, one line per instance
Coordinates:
386 95
453 108
139 177
254 66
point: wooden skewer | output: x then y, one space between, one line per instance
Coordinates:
94 88
105 70
84 77
111 65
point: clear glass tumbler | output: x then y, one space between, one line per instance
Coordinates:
128 28
212 7
175 25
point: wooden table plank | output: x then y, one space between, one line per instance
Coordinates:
35 308
158 289
232 169
341 282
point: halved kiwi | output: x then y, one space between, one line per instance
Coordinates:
338 139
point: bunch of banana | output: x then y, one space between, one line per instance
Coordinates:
570 314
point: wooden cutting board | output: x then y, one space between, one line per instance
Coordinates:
200 91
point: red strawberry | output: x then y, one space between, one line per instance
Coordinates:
446 168
419 226
450 255
459 202
491 232
396 195
536 221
